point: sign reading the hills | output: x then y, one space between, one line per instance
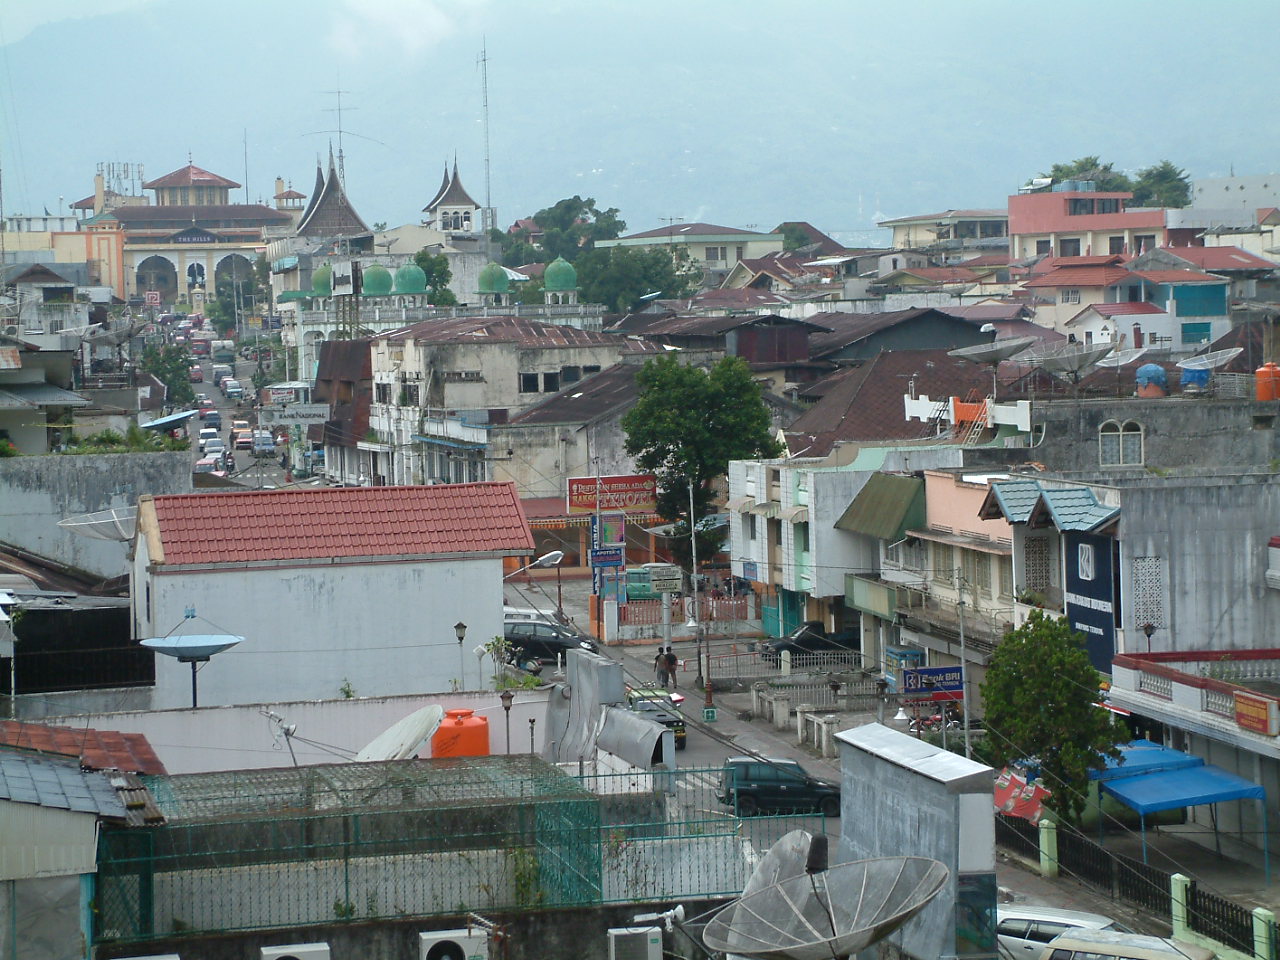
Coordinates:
631 494
193 235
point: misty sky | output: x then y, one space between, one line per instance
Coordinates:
736 112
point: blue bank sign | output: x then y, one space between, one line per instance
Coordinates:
1090 594
933 683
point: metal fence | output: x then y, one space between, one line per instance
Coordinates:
1224 921
318 849
753 665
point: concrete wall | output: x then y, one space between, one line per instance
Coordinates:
902 797
382 628
37 492
544 455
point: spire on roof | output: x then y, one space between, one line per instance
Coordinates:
444 186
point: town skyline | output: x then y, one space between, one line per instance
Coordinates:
687 113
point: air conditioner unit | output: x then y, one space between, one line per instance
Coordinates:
635 943
472 944
297 951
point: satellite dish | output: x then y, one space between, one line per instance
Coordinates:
827 913
1122 358
116 524
993 352
1212 360
1069 358
401 740
192 648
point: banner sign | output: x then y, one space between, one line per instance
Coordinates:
1258 714
295 413
1090 595
606 557
634 493
947 683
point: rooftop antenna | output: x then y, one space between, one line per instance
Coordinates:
342 170
246 164
483 61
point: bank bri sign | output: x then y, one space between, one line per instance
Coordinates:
1090 594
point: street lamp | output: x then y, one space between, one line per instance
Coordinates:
506 696
551 559
460 631
1148 628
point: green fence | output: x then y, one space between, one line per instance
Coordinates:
312 845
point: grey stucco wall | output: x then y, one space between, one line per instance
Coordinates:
37 492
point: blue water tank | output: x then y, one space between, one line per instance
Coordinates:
1152 373
1194 381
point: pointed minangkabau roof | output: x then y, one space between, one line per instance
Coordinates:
456 195
444 186
330 213
315 191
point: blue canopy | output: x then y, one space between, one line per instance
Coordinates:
1138 757
1188 787
172 420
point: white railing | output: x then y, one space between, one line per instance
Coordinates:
1215 701
1156 686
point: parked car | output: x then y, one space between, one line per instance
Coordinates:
264 444
206 434
214 447
1085 944
204 406
534 641
751 785
529 613
658 705
196 375
213 418
1023 931
811 637
242 440
232 390
238 425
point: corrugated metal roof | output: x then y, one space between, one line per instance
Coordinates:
885 508
258 525
59 784
39 395
10 358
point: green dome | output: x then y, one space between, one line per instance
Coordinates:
493 279
411 279
377 281
559 276
322 281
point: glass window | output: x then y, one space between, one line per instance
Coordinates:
570 374
802 537
550 382
751 526
528 383
1109 444
977 572
1043 931
944 567
1131 452
1069 248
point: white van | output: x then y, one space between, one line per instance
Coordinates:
1023 931
1114 945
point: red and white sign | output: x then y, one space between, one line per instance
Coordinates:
1258 714
153 298
634 493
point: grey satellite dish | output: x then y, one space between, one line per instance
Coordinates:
117 524
827 913
1212 360
402 739
192 648
993 352
1069 358
1122 358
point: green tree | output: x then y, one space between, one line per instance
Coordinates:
168 364
794 237
573 225
686 426
516 250
623 278
1091 168
436 267
1162 185
1041 696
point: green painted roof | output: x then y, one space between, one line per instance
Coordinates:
886 507
559 276
322 281
493 279
411 279
376 281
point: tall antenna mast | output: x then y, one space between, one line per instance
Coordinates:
483 60
342 170
246 164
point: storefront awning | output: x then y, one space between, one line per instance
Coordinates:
965 543
449 442
169 422
885 507
795 514
740 504
1188 787
767 509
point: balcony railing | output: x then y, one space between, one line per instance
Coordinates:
1156 686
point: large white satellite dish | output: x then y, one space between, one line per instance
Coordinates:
1212 360
993 352
401 740
1122 358
118 524
823 913
1069 358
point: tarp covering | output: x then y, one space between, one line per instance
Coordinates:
1188 787
1138 757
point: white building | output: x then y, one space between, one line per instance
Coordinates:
335 591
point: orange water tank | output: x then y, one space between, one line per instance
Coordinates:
1267 382
461 734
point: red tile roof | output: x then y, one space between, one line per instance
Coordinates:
258 525
1220 258
95 749
689 230
1177 276
1080 277
189 176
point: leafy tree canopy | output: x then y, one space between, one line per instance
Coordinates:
436 267
573 225
687 425
516 248
1091 168
1162 185
619 277
1041 696
168 364
794 237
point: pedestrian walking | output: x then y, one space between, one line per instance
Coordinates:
673 664
660 669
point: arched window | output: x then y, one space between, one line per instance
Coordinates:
1120 444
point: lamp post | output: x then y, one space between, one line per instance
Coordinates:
533 722
1148 628
699 681
506 696
460 631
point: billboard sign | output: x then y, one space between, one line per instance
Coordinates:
344 279
1090 594
296 413
630 494
606 557
933 683
1258 714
